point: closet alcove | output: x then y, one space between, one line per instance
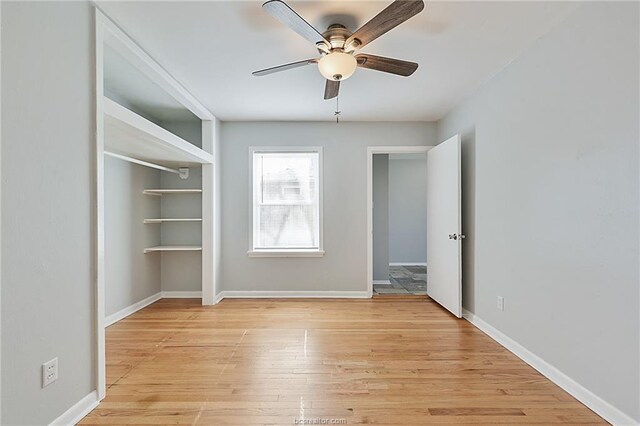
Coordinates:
157 225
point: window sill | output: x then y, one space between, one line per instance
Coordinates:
285 253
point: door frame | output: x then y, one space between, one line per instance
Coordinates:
371 150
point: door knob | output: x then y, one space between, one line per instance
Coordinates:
456 236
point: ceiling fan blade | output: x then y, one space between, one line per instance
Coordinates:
284 67
390 65
282 12
331 89
395 14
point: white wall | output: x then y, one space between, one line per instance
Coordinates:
130 275
344 267
408 209
48 272
552 219
380 240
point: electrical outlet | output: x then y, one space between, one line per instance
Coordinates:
501 303
49 372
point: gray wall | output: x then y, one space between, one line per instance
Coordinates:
408 209
182 271
48 272
380 191
345 157
130 275
552 145
191 131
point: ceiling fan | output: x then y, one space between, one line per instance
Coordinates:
338 46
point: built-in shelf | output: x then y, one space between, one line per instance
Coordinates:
161 220
171 191
131 135
172 248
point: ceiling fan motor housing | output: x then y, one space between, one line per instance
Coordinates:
337 35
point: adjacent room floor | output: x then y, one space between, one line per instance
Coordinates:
404 279
274 362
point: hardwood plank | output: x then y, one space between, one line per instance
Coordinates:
269 362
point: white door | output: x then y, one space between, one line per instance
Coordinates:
444 225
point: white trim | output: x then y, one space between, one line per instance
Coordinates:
218 298
582 394
151 140
100 359
285 253
208 217
320 188
123 313
383 282
380 150
181 294
78 411
217 213
0 213
407 263
293 294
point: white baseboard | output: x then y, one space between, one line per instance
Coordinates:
588 398
123 313
181 294
294 294
408 264
383 282
76 413
218 298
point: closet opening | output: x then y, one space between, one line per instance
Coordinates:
157 209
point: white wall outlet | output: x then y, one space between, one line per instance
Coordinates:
49 372
501 303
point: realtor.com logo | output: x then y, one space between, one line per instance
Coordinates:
319 421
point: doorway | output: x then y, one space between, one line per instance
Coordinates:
397 220
443 220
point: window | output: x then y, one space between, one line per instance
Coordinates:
287 198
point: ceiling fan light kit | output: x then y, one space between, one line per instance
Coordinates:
337 66
338 46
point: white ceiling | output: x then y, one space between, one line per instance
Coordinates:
212 48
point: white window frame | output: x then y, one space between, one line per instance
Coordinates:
253 252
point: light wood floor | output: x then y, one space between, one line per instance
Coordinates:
274 362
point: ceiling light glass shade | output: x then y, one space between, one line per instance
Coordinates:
337 66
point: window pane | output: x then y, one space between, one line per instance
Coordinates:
286 200
287 227
288 178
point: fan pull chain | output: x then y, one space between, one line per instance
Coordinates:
338 112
